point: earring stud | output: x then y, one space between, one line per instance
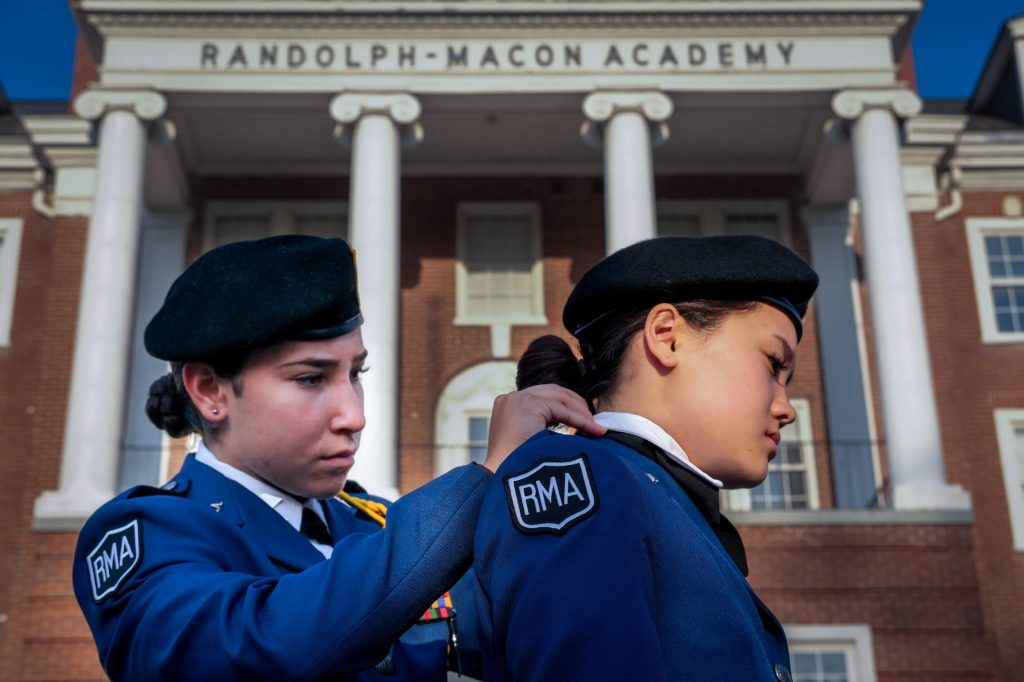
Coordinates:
215 411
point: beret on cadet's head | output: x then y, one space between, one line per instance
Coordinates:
247 295
678 269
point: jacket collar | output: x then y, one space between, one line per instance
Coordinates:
264 526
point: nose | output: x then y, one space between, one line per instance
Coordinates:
782 408
347 413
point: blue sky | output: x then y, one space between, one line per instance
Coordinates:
951 43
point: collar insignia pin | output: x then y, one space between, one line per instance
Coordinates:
216 505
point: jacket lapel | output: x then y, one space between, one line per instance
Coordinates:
263 527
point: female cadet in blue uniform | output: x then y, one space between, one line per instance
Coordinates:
607 558
210 577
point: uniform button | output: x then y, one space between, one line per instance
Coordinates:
782 673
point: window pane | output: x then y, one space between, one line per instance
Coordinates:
1001 297
234 228
1015 245
825 666
1004 322
499 260
833 662
679 225
997 267
1017 267
478 427
994 246
321 225
759 224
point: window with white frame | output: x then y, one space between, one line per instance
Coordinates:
236 221
1010 434
463 414
997 262
10 248
711 218
792 481
831 653
498 276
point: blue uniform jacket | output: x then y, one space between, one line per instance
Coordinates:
593 564
202 580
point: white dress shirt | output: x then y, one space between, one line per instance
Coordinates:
652 433
287 506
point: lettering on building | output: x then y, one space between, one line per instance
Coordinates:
499 56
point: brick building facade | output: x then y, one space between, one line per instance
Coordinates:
888 547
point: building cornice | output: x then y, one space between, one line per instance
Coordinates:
19 169
485 6
692 18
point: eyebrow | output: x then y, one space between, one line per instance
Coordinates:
321 363
788 357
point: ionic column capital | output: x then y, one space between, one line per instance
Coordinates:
401 107
602 105
850 104
147 105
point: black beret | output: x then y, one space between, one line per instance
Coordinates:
247 295
677 269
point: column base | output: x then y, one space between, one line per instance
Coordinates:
930 496
67 509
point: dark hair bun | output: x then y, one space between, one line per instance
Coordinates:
549 360
166 407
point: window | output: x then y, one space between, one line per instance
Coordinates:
479 425
10 248
792 481
997 261
831 653
236 221
1010 433
708 218
498 274
463 414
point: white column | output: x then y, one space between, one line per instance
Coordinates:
909 411
93 426
628 123
373 123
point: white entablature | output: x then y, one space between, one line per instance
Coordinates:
438 47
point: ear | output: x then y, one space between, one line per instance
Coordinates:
662 334
206 390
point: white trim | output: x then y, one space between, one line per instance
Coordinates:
528 210
280 214
1007 422
10 256
468 394
977 230
712 213
854 640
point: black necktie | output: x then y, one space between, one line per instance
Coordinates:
314 528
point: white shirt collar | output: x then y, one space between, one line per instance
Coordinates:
652 433
287 506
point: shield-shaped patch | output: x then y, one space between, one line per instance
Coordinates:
553 496
114 559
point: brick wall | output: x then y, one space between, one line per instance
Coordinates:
972 379
43 636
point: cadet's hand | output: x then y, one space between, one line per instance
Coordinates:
518 415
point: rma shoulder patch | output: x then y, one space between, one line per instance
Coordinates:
553 496
114 559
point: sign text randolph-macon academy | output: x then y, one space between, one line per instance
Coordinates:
497 56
